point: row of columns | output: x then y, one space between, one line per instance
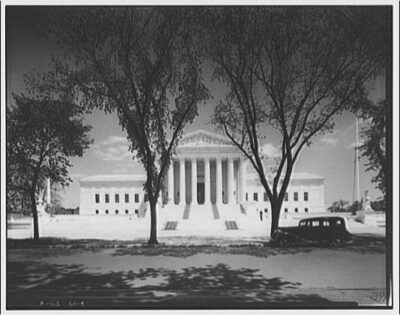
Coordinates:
207 186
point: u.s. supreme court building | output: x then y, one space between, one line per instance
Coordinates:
209 179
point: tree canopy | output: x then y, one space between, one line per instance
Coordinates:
141 63
292 68
43 132
339 206
373 139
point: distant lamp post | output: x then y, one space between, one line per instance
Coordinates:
356 183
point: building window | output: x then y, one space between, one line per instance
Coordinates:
305 196
247 196
266 210
305 210
106 211
126 198
146 198
265 197
136 198
116 198
97 211
255 197
97 198
286 210
296 210
296 196
107 198
286 196
116 211
126 211
136 211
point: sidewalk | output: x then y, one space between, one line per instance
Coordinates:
132 228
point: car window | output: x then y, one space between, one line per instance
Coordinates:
315 223
303 223
325 223
338 222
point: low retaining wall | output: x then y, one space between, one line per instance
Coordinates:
371 218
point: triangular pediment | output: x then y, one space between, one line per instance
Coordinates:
203 138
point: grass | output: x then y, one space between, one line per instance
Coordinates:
188 246
50 242
180 241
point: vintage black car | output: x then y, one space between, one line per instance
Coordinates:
330 230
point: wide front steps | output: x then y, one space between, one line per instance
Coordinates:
200 213
212 212
203 219
201 227
210 227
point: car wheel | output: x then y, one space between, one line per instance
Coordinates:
337 241
284 242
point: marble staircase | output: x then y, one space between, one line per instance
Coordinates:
202 213
230 212
210 217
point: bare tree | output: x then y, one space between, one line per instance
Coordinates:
142 64
292 69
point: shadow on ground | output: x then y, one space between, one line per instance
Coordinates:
187 246
32 283
362 244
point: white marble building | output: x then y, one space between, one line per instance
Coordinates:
112 194
209 179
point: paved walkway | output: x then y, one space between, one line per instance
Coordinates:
131 228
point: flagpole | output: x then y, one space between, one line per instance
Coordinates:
356 195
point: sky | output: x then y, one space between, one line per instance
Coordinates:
330 155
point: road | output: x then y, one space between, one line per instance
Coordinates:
198 276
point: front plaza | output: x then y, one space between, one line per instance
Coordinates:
209 180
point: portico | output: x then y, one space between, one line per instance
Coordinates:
208 181
206 170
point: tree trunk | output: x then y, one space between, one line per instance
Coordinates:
153 223
35 216
275 213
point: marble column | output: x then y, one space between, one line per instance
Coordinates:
230 179
218 184
182 184
242 178
207 189
171 183
194 182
